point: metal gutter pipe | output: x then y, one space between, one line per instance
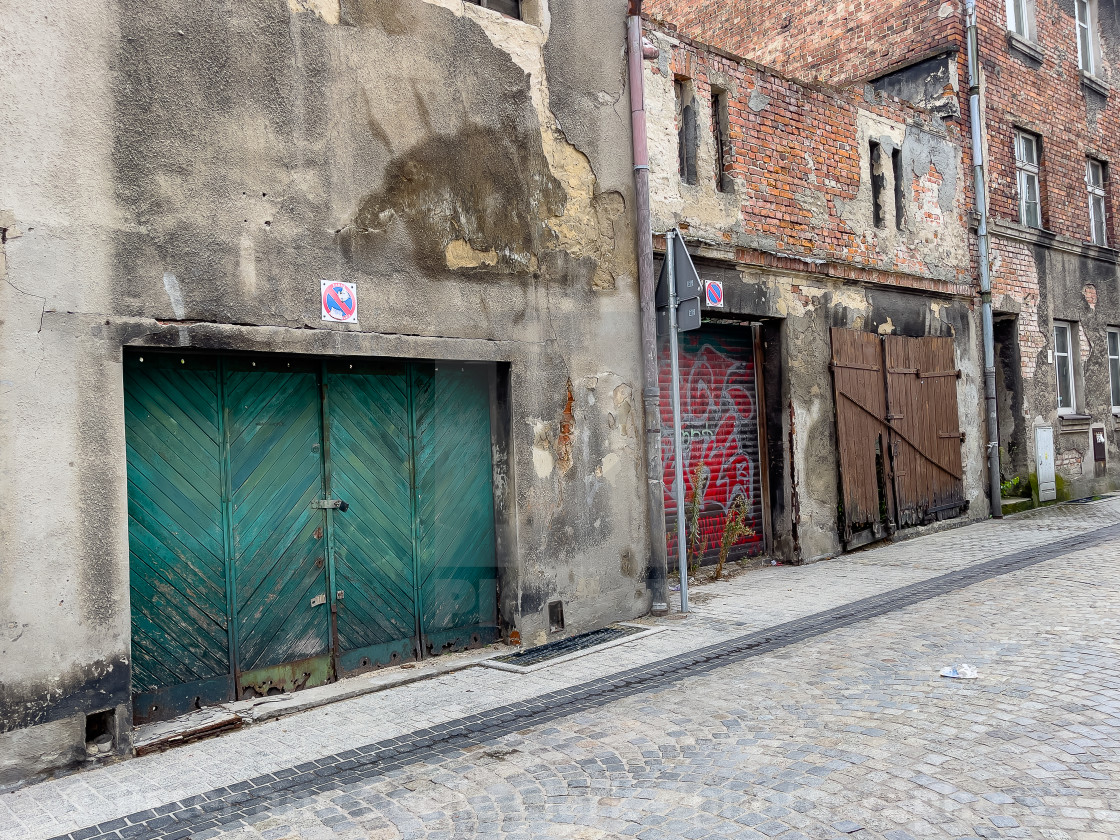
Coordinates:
651 392
979 188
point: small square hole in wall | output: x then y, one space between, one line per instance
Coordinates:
555 616
99 726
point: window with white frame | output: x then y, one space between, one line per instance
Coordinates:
1026 162
1085 58
1063 364
1020 18
1095 184
1114 367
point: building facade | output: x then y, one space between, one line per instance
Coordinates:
836 221
1049 127
318 348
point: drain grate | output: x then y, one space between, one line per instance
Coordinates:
563 647
1089 499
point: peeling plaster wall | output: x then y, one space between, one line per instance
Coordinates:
184 174
809 307
800 168
798 246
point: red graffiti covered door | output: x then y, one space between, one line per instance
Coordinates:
720 408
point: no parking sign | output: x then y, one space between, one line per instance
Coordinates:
713 292
340 302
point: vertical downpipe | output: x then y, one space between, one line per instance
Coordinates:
979 188
651 393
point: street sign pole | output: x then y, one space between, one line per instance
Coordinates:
678 478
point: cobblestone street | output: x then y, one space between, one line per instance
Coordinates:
794 702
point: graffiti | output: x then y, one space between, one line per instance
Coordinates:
719 429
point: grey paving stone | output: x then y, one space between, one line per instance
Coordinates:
719 750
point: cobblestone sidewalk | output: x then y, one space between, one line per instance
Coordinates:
310 744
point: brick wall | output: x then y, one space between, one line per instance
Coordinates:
837 41
852 40
800 166
1050 101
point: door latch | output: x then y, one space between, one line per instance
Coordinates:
318 600
331 504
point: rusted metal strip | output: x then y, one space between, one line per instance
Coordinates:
853 366
932 374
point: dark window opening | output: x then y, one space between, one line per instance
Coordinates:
899 207
506 7
878 185
99 727
687 139
555 616
721 131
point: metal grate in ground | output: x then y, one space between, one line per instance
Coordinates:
565 647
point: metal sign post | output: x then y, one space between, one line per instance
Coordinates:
679 294
678 476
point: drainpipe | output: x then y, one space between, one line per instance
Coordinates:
651 392
982 246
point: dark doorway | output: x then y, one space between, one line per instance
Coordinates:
1009 399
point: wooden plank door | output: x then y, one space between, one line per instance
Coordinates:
368 424
457 581
862 436
176 542
277 534
925 428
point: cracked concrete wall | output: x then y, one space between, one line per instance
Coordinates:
183 175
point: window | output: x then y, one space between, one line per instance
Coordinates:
896 168
506 7
878 185
721 134
1095 183
1114 367
687 139
1084 35
1026 161
1020 18
1063 362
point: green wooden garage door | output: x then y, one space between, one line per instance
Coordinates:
244 579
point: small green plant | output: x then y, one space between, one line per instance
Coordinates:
1016 486
734 529
696 543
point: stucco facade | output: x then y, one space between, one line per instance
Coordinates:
184 176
